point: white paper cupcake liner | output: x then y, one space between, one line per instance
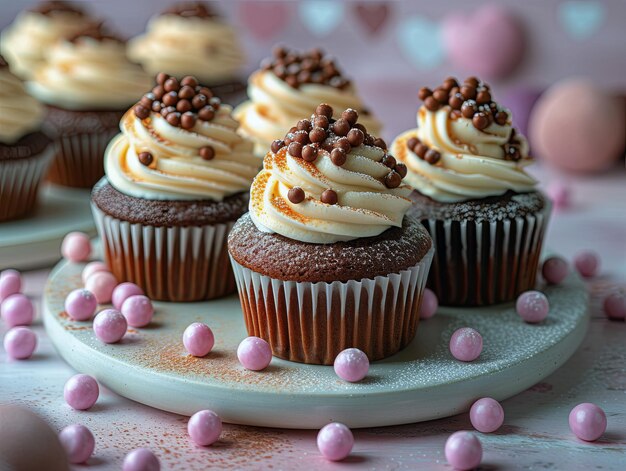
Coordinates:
312 322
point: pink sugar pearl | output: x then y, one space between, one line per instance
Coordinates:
351 365
138 310
101 284
17 309
466 344
587 421
204 427
78 442
198 339
20 343
486 415
10 283
141 459
587 263
91 268
615 305
554 270
81 304
532 306
429 305
254 353
463 450
81 392
76 247
335 441
122 292
559 194
110 325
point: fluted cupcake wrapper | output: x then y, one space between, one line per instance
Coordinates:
313 322
180 264
19 183
479 264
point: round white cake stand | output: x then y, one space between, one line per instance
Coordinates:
422 382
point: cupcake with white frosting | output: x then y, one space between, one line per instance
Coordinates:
290 85
482 209
326 259
177 179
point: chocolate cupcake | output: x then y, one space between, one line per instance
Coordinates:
326 259
25 153
176 181
482 209
87 82
290 85
190 38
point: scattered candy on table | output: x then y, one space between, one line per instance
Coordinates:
466 344
138 310
141 459
532 306
486 415
587 421
101 284
614 305
351 365
20 343
76 247
16 310
10 283
463 450
335 441
122 292
429 305
554 270
198 339
110 325
91 268
81 392
587 263
81 304
78 442
254 353
204 427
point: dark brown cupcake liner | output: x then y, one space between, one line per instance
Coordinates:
312 322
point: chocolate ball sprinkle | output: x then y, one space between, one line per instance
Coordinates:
173 118
324 110
141 111
215 102
338 156
432 156
468 109
441 96
412 142
344 144
483 97
471 81
189 81
355 137
296 195
199 101
424 93
393 179
502 117
302 137
161 78
158 92
183 106
480 120
187 120
145 158
379 142
295 149
420 150
321 122
170 99
431 103
309 153
277 145
156 106
186 92
449 83
147 100
341 127
304 125
329 197
468 92
401 169
207 113
317 135
171 85
389 161
207 152
350 115
456 101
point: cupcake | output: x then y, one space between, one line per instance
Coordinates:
25 152
487 219
87 82
290 85
190 39
326 258
34 31
177 179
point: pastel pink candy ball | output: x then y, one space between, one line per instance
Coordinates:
81 304
122 292
254 353
110 325
91 268
204 427
587 421
554 270
429 305
17 309
20 343
559 194
141 459
486 415
76 247
138 310
587 263
335 441
10 283
532 306
101 284
351 365
81 392
615 305
466 344
78 442
463 450
198 339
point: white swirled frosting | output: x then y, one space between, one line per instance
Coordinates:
365 207
178 172
472 164
19 112
274 106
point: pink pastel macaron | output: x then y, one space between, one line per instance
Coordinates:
254 353
204 427
335 441
91 268
463 450
554 270
138 310
466 344
615 305
78 442
486 415
76 247
198 339
587 421
141 459
532 306
81 304
16 310
351 365
122 292
429 305
81 392
101 284
110 325
10 283
587 263
20 343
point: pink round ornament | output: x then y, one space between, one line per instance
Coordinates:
110 325
76 247
532 306
16 310
429 305
81 304
101 284
10 283
486 415
554 270
204 427
559 194
141 459
138 310
20 343
254 353
587 263
587 421
91 268
122 292
351 365
198 339
466 344
335 441
463 450
615 305
81 392
78 442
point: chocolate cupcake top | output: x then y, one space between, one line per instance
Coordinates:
189 39
180 143
288 86
464 147
25 42
329 180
